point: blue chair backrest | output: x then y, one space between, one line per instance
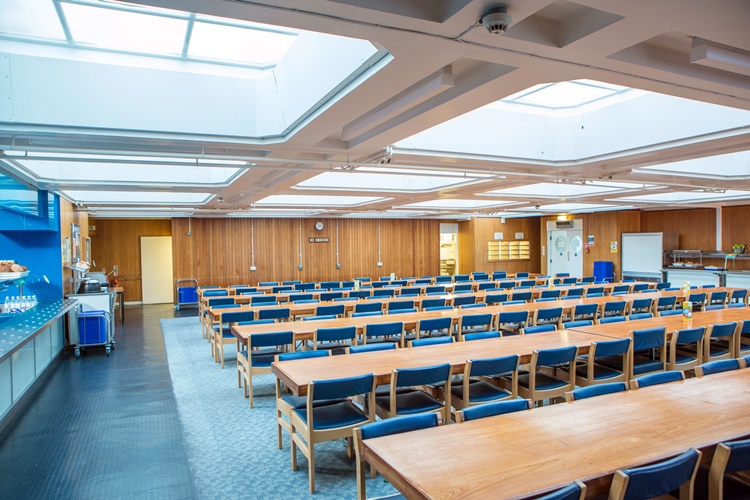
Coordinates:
496 298
347 284
291 282
342 388
715 307
569 281
403 311
739 295
282 288
434 288
548 314
621 288
398 425
250 293
570 492
469 320
268 283
241 290
594 289
319 318
539 328
663 285
384 329
494 334
616 307
473 306
423 281
547 357
480 276
522 275
408 377
262 299
432 303
638 316
598 390
327 285
216 293
300 296
220 301
659 479
368 307
610 348
592 295
494 409
271 339
507 284
526 296
588 279
411 291
304 286
579 322
562 275
327 296
381 346
443 279
208 287
493 366
462 287
237 316
721 365
551 293
280 313
345 299
718 297
487 286
368 313
290 356
257 322
697 297
670 312
460 301
527 283
690 335
461 277
383 292
723 330
336 310
498 275
363 278
512 317
611 319
336 333
400 304
660 378
639 287
739 457
432 324
437 308
575 292
431 341
358 294
587 309
642 303
514 302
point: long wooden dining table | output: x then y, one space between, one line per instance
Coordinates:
539 450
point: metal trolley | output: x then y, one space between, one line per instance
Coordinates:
187 293
92 328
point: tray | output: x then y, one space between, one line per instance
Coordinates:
13 276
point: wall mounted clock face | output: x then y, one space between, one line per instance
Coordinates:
319 226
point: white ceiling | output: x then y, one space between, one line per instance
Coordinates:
432 117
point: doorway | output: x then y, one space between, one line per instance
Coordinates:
565 247
448 249
156 270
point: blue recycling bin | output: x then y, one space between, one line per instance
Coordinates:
187 295
92 327
604 270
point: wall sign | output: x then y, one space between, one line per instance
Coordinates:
591 240
317 240
613 247
498 236
519 236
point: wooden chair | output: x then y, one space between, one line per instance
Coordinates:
335 338
472 323
584 311
649 351
416 401
433 327
574 491
475 389
720 341
215 303
221 333
742 343
388 427
718 366
511 322
392 332
538 384
257 361
606 362
728 458
658 479
493 409
286 402
553 315
686 349
315 424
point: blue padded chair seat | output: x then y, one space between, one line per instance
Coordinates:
300 402
480 391
385 390
643 365
543 381
682 358
263 357
334 415
600 372
411 402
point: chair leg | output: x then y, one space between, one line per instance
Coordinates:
294 448
311 466
278 426
249 387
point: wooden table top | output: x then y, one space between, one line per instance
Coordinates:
531 452
672 323
298 373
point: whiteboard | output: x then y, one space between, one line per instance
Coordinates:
642 254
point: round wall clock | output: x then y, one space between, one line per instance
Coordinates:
319 226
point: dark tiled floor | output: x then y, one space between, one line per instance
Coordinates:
102 427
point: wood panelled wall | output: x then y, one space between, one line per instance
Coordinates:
474 234
220 251
696 227
69 216
735 224
118 242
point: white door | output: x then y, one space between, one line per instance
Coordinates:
575 256
557 248
156 270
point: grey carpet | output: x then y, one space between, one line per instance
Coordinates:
231 448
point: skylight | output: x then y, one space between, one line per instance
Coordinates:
31 18
317 201
276 212
714 167
258 46
457 204
379 182
575 207
137 197
108 173
565 94
564 190
688 196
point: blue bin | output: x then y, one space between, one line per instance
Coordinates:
604 271
187 295
92 327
